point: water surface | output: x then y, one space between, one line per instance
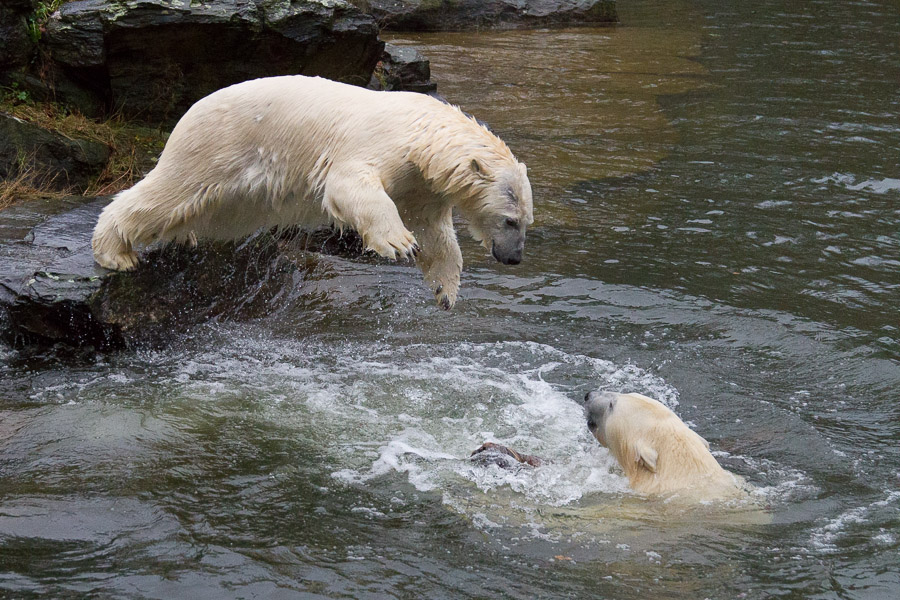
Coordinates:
718 205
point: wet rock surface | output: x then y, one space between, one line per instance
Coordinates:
52 292
59 161
449 15
152 59
403 69
490 453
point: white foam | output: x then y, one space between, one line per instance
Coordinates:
826 538
775 483
495 396
419 410
877 186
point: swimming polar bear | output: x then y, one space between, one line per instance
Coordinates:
295 150
657 451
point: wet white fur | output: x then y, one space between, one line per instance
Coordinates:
295 150
662 455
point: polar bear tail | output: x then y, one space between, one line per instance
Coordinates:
112 239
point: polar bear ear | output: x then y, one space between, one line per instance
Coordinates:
645 455
479 170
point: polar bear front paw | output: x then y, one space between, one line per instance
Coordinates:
446 295
397 245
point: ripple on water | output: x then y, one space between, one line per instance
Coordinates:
838 531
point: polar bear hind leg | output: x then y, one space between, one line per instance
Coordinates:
111 250
112 243
132 220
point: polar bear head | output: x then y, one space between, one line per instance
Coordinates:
465 162
657 451
504 209
510 195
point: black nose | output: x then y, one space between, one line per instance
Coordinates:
515 257
507 257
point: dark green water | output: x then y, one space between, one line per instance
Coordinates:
717 193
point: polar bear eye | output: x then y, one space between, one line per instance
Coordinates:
510 222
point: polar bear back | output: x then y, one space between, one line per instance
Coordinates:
261 150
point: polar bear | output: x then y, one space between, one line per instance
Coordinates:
295 150
657 451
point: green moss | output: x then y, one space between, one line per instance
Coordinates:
39 17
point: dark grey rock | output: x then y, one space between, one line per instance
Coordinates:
451 15
16 46
60 162
52 292
26 6
152 59
403 69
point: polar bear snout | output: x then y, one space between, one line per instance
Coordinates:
597 407
507 257
599 399
508 244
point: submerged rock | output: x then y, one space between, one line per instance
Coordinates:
450 15
56 161
51 291
152 59
490 453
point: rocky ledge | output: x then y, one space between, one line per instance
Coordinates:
51 291
152 59
403 69
455 15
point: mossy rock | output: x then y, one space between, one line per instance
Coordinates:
460 15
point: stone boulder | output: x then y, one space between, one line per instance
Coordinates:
55 161
403 68
152 59
455 15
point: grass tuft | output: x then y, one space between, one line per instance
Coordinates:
38 19
29 184
133 149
